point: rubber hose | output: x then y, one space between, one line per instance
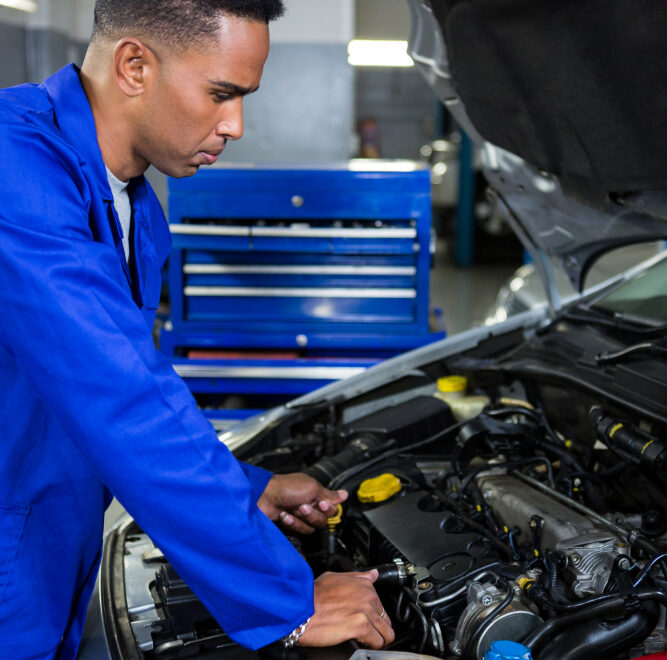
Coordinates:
601 639
326 469
555 626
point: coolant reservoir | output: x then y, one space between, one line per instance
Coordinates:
453 391
507 650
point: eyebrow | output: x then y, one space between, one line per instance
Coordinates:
232 88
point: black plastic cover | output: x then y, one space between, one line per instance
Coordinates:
411 421
575 87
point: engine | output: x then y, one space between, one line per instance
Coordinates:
493 526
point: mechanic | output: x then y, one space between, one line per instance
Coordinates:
88 406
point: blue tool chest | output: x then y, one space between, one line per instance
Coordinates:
327 261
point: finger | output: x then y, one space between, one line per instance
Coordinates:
311 516
330 499
382 623
371 575
302 527
293 524
372 638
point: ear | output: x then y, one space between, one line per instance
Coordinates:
133 63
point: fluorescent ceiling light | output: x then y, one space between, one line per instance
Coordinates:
378 165
378 53
21 5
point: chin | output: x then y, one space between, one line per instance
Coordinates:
178 173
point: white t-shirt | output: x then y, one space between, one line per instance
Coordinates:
121 200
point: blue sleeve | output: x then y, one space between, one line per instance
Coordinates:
85 349
257 476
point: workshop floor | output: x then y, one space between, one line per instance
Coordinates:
465 295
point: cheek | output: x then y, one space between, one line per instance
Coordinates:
182 111
197 121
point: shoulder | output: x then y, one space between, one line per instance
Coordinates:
26 112
24 100
41 177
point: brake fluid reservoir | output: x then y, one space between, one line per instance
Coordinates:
453 391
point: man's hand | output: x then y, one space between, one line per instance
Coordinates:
347 607
299 502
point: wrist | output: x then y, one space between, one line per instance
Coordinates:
293 638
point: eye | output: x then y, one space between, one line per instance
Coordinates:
221 97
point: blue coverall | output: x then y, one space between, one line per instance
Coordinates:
88 407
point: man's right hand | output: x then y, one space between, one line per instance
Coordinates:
347 607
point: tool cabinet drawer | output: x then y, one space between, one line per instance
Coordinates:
329 252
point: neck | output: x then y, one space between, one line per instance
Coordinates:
111 114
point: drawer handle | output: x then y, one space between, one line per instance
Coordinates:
279 292
305 373
222 269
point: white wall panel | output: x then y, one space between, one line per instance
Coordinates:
315 21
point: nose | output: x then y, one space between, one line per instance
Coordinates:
230 123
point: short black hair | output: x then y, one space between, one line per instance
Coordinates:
176 22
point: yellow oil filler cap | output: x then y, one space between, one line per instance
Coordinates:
379 489
453 384
335 520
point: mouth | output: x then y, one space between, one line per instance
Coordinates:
209 157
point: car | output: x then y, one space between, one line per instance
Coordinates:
507 482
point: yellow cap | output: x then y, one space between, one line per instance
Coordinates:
525 582
336 518
453 384
379 488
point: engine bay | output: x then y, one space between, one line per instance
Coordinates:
495 503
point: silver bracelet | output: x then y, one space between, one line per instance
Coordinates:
290 640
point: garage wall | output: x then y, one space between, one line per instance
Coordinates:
13 63
399 100
34 45
305 106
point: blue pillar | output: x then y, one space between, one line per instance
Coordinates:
464 232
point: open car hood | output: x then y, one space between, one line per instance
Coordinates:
567 101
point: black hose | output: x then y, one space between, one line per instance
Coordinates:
539 636
456 584
601 474
346 475
580 604
329 467
604 606
606 637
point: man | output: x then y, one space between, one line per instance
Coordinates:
88 406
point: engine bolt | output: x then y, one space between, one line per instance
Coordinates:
487 600
423 586
575 559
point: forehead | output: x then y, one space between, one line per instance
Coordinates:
235 53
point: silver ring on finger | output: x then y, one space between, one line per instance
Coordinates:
382 613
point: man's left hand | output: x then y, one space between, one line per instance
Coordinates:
299 502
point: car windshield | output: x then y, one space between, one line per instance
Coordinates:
642 297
